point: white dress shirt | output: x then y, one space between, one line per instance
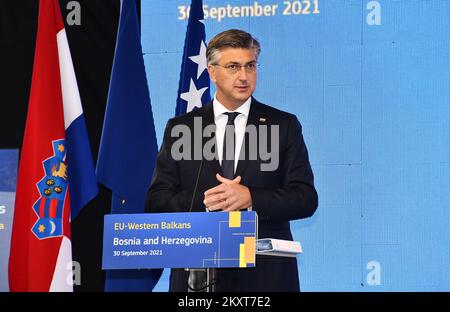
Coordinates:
220 119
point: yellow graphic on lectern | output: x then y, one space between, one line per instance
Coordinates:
237 240
247 252
247 249
234 219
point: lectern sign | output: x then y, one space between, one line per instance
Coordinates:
180 240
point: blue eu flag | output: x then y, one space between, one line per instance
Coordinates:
128 146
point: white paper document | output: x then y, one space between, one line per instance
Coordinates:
278 247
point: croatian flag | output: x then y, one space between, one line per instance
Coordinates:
56 173
193 88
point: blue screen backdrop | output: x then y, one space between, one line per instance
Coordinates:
370 83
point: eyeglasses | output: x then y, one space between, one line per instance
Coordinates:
234 68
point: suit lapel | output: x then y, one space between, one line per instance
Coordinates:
254 117
208 119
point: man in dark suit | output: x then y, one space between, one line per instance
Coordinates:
278 185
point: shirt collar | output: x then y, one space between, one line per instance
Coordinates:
219 109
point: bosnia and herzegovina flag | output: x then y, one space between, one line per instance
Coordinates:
193 87
56 173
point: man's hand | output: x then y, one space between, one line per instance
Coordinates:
230 195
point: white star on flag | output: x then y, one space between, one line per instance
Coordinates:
193 97
200 59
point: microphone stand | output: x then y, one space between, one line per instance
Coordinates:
197 277
211 278
211 273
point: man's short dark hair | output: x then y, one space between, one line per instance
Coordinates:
232 38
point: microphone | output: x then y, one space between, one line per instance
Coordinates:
197 277
199 172
200 280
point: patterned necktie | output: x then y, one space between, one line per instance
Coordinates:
229 143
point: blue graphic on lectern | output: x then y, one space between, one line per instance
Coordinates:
180 240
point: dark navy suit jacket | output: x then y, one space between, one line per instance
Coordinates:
278 196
